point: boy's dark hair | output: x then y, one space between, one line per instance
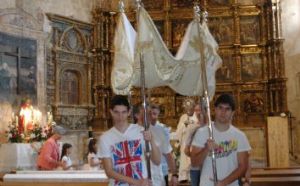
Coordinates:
136 109
225 99
64 149
119 100
92 143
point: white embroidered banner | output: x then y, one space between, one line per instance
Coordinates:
181 73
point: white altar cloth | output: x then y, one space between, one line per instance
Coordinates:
17 156
56 176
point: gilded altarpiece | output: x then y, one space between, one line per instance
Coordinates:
69 71
250 44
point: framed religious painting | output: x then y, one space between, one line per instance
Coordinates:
177 4
253 106
178 30
227 72
214 3
222 29
153 4
248 2
17 69
253 102
250 30
252 67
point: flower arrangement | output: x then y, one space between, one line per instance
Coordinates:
13 134
36 134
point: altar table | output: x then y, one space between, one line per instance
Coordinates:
15 156
57 178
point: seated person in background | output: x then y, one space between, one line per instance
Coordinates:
48 158
93 161
65 157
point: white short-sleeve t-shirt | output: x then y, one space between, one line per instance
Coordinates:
163 143
68 161
229 142
126 151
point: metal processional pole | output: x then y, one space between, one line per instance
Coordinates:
205 96
143 85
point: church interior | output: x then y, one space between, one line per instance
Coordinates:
60 55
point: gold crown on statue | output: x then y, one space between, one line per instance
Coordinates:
188 103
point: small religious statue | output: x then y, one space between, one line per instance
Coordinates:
187 120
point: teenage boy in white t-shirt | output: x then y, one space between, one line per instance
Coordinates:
162 142
230 145
122 148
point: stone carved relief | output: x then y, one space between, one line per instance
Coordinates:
20 18
73 40
73 106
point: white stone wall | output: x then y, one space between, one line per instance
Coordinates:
291 33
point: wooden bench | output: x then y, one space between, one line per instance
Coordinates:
275 177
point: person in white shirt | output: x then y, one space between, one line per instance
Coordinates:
195 168
122 148
186 121
230 145
162 142
93 161
164 163
65 157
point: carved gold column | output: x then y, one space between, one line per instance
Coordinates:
103 37
277 79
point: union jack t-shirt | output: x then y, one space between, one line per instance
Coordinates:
126 151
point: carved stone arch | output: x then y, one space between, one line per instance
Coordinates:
19 17
73 40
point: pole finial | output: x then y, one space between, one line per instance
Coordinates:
204 16
197 12
121 6
138 3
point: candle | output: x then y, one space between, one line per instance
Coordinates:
12 116
17 121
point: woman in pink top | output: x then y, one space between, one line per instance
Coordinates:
48 158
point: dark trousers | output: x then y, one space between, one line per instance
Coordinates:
167 180
195 177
